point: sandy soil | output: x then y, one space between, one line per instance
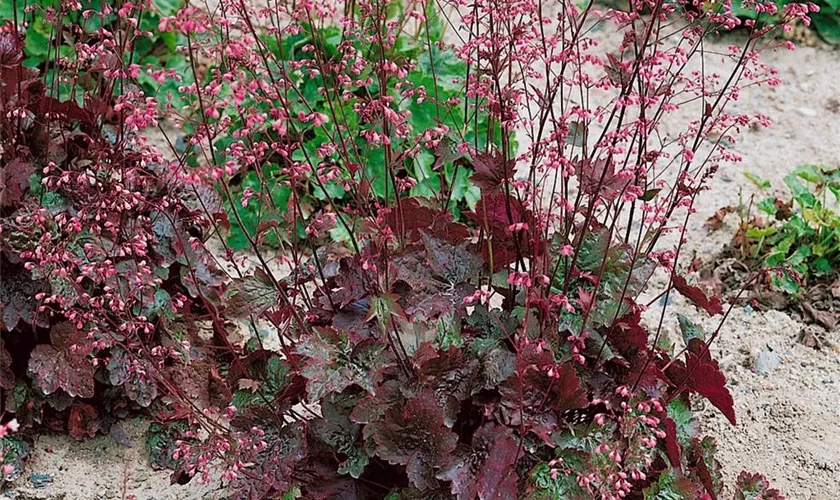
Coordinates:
789 417
101 469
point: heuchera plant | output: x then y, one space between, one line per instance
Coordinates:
390 349
99 245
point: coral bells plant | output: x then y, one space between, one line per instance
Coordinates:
403 338
101 253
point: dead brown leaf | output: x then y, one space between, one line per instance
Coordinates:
715 222
823 318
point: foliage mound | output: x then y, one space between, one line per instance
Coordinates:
339 275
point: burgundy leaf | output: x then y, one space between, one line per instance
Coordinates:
705 378
750 486
708 469
586 299
413 215
415 435
711 305
332 363
14 182
491 214
63 364
628 335
543 392
598 177
487 470
672 445
69 110
83 422
491 170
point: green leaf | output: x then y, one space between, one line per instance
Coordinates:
822 266
810 173
650 194
14 452
757 180
760 232
768 206
688 427
563 485
168 7
690 330
785 283
672 485
833 5
800 192
160 443
577 132
740 11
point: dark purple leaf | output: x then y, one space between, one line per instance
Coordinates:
251 296
599 178
273 468
487 469
120 436
141 388
414 435
453 377
11 50
331 363
14 182
446 151
63 364
711 305
7 376
491 170
17 292
543 392
83 421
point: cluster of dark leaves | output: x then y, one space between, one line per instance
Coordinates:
54 374
390 383
423 396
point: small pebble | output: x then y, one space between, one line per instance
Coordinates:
766 362
807 112
40 480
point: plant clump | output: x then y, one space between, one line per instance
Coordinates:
367 259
